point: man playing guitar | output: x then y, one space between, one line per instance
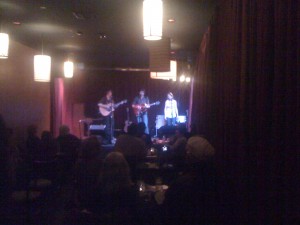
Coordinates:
106 102
140 105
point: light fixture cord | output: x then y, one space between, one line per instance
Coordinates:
42 44
0 19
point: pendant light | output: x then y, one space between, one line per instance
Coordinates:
4 43
68 69
152 19
42 67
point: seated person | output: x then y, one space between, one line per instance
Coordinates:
115 199
68 145
133 148
33 143
177 146
49 147
87 169
141 128
192 198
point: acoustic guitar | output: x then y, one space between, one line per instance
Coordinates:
105 110
137 111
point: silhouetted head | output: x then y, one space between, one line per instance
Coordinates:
132 129
46 136
181 129
90 148
116 173
64 130
141 127
198 149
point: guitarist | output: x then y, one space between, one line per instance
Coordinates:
141 102
107 101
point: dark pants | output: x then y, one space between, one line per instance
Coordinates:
109 128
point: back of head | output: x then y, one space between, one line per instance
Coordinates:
116 173
46 136
141 127
132 129
64 130
181 129
90 148
199 150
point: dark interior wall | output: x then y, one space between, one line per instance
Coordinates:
22 101
248 97
88 87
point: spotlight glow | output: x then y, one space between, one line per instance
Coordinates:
187 79
182 78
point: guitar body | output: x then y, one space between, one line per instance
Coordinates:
107 109
137 111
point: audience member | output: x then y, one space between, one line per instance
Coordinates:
133 148
177 146
192 198
116 198
68 145
3 162
87 169
146 138
33 143
49 147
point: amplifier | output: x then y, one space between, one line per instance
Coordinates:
97 127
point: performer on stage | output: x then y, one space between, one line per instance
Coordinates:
140 105
171 111
106 105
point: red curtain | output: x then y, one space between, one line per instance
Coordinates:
247 102
62 111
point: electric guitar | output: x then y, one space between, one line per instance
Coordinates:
105 110
138 110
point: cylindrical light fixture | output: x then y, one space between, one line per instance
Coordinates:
152 18
68 69
4 43
42 68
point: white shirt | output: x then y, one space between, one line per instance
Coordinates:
171 110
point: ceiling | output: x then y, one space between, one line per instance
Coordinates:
104 32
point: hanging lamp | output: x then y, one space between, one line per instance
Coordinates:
4 44
152 19
42 67
68 69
